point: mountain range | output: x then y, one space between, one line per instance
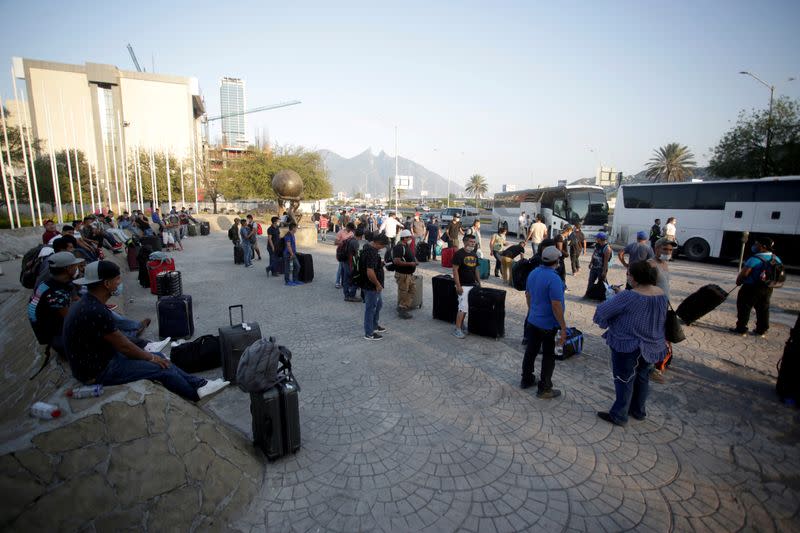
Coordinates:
371 173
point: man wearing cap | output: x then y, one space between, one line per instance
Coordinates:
454 231
99 353
50 231
465 276
390 227
598 265
544 293
432 235
537 233
405 264
50 302
755 293
637 251
418 229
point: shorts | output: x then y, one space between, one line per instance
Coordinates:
463 299
167 237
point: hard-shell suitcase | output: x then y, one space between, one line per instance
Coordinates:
416 301
168 283
238 254
788 384
445 298
153 269
192 230
423 252
205 228
701 302
306 273
447 257
276 265
175 317
233 341
133 257
153 242
276 420
483 268
487 312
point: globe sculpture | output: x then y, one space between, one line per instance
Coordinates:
288 186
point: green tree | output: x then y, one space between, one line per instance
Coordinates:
741 151
476 187
671 163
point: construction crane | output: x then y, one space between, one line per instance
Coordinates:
255 110
135 61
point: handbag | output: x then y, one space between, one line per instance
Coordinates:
673 331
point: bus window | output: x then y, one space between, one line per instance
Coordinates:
638 197
597 214
777 191
714 196
578 206
674 197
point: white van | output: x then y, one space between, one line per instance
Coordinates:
467 214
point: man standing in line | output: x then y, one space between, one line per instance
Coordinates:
544 294
273 241
247 247
598 266
577 248
655 232
537 234
521 229
475 231
405 264
755 292
390 227
636 251
432 235
465 275
418 229
291 262
254 235
352 247
454 232
345 233
373 287
233 232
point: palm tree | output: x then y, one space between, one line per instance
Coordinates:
671 163
477 187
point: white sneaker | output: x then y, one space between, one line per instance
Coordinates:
157 346
211 387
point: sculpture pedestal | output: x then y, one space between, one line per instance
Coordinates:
305 237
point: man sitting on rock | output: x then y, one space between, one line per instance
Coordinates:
99 353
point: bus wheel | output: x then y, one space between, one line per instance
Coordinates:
696 249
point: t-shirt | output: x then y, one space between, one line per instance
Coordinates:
544 286
670 231
453 230
638 251
538 231
403 252
244 232
499 242
290 244
418 228
758 266
274 234
353 246
433 232
372 259
390 227
466 262
576 239
513 251
44 305
87 323
47 236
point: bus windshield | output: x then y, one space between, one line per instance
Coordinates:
586 207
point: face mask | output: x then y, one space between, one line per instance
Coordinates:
118 290
469 248
754 249
665 257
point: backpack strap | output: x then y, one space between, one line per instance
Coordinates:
47 354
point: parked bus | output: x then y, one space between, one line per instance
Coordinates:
712 215
559 206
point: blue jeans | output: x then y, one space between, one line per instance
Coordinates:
291 266
248 253
123 370
632 383
127 326
347 281
372 310
339 274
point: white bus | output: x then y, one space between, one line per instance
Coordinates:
559 206
713 215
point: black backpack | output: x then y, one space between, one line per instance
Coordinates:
31 263
359 278
199 355
388 259
773 274
521 269
341 250
788 384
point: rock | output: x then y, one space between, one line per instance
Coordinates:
197 461
76 461
144 468
69 506
89 430
221 479
156 418
128 519
124 422
244 495
18 487
231 449
37 463
175 510
180 428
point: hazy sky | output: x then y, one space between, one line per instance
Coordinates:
522 92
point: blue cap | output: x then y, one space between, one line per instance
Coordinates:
602 236
641 235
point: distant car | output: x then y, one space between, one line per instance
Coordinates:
467 214
422 208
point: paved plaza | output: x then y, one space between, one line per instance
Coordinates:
425 432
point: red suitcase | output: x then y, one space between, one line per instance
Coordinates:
154 267
447 257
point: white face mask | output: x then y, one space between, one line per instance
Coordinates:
469 248
665 257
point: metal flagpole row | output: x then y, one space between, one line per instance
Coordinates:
138 173
194 174
53 163
114 162
107 172
169 181
154 178
183 198
77 163
27 120
10 171
89 163
66 153
5 185
125 180
20 126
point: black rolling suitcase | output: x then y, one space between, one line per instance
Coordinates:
132 251
445 298
233 341
788 384
423 252
238 254
306 274
205 228
276 265
175 317
700 303
487 312
276 420
153 242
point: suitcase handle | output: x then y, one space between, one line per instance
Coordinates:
230 312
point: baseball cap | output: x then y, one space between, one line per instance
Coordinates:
601 236
63 259
550 255
663 241
641 235
98 271
405 233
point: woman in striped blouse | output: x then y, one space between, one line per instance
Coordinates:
635 333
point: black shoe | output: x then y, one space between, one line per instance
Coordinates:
404 314
637 417
761 334
607 417
380 329
527 383
742 332
548 394
373 337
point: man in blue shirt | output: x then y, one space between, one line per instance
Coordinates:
754 291
291 263
544 294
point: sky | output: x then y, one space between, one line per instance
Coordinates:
523 93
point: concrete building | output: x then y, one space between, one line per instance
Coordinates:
107 112
232 105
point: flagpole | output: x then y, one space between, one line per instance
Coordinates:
114 161
153 179
107 170
169 181
194 173
20 126
77 163
53 162
137 178
125 179
10 167
5 189
88 162
66 154
183 198
27 120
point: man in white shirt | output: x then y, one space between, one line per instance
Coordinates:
522 219
537 234
390 227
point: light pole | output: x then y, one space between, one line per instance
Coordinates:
769 119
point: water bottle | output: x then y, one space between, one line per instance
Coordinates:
85 392
559 351
45 411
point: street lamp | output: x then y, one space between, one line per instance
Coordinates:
769 119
